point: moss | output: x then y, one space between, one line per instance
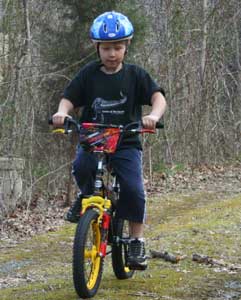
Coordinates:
182 224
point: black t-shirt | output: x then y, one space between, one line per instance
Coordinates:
112 98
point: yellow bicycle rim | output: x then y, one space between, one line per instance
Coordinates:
93 256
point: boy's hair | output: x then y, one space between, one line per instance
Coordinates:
126 42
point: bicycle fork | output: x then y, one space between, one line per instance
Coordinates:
104 206
104 233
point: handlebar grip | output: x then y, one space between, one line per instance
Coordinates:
50 121
159 125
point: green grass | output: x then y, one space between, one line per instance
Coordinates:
180 224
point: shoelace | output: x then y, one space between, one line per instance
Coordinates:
136 248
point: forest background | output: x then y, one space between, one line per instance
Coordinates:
191 48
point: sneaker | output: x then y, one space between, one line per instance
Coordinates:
73 214
136 258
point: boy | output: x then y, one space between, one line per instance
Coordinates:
111 91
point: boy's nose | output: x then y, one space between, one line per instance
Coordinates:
112 52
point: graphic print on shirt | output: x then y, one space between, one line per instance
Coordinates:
105 110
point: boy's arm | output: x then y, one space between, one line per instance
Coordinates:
158 108
65 107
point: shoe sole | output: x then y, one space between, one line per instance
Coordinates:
137 267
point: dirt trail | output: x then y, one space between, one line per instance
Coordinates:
192 220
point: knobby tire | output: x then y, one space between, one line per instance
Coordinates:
119 249
87 264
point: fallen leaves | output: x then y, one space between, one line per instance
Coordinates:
213 178
22 224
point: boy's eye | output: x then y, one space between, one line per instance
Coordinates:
116 48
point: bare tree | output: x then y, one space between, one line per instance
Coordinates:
187 47
197 60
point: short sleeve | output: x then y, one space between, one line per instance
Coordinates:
74 91
147 87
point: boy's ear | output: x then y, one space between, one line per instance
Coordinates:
95 45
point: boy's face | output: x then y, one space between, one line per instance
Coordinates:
112 54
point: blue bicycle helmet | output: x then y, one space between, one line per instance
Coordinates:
111 26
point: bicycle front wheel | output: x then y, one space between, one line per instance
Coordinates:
119 249
87 264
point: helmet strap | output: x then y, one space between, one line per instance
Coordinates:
127 44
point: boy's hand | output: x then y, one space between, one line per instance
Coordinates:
58 118
150 121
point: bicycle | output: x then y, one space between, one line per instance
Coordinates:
98 226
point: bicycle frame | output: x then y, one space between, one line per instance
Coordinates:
101 203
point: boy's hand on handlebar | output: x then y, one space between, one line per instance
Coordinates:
149 121
58 118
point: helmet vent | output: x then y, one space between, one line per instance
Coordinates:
117 26
105 27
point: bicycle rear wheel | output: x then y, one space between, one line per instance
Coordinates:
119 249
87 264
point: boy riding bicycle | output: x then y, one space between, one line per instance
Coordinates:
113 92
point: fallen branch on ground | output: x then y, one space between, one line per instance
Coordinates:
166 256
202 259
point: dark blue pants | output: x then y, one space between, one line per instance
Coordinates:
127 164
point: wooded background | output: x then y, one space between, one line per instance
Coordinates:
191 48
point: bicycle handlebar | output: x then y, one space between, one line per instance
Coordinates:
68 122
